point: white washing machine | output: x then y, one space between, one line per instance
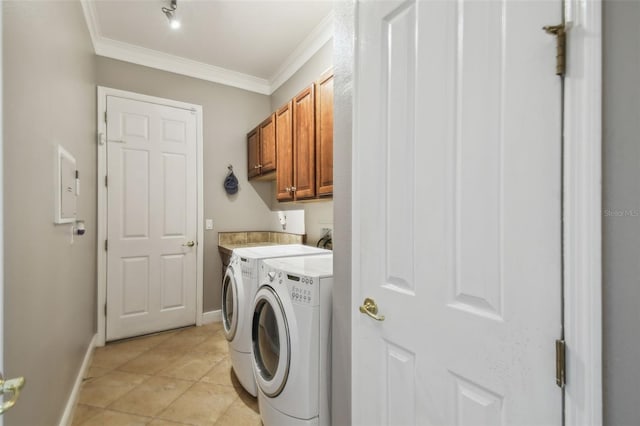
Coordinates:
239 286
291 340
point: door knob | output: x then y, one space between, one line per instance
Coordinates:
371 308
189 244
13 387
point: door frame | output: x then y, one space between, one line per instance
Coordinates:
583 214
582 182
103 92
1 215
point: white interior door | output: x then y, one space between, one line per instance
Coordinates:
457 201
152 216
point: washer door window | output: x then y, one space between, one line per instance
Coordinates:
271 345
229 304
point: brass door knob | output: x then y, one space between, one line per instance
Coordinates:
189 244
10 387
371 309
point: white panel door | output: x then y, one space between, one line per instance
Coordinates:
457 204
152 216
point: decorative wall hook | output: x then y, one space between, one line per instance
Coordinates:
230 182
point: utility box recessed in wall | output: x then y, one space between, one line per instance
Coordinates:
67 187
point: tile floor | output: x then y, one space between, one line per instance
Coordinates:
180 377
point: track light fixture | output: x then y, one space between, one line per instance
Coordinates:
170 13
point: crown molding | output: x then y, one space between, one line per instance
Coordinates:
176 64
91 20
320 35
122 51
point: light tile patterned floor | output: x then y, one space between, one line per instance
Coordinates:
179 377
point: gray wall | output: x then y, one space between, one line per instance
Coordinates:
229 113
621 235
342 133
49 99
317 214
320 62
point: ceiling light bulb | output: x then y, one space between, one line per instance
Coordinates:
170 13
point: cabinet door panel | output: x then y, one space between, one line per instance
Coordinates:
304 143
324 135
268 145
284 144
253 153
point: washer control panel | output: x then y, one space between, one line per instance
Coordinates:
248 268
302 289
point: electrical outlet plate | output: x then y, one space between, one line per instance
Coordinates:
326 231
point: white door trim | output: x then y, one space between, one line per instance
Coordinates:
1 217
582 213
103 92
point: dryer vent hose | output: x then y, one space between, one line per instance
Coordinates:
325 242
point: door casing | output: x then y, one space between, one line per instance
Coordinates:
583 213
103 92
1 220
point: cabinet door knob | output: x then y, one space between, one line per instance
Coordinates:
293 189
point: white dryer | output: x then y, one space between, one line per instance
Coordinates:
291 340
239 286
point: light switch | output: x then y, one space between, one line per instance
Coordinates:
208 224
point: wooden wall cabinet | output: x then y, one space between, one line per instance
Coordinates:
300 136
253 150
261 148
304 147
284 144
295 135
324 135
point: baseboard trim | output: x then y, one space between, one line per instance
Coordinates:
212 316
67 416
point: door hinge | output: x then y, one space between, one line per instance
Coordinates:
106 245
106 181
561 363
560 32
105 116
105 309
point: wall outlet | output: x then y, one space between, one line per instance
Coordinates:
208 224
326 231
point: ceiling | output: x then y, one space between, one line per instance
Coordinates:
252 44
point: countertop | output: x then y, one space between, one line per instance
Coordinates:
229 247
227 241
